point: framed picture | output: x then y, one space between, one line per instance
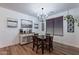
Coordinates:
26 23
42 25
70 25
36 26
12 23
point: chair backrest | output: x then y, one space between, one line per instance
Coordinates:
36 34
35 38
49 39
47 34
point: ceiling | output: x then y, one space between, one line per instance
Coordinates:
34 9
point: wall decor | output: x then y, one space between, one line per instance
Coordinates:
78 25
70 23
12 23
36 26
42 25
26 23
76 19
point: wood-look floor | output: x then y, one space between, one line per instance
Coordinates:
59 49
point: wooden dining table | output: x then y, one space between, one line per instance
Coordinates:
43 44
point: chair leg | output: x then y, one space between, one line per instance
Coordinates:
52 46
33 46
42 49
37 49
49 48
46 46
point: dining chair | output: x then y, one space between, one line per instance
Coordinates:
36 42
49 42
47 34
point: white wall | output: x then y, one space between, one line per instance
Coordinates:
9 36
71 39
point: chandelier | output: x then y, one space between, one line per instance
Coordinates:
42 16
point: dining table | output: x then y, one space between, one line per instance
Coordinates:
43 43
43 39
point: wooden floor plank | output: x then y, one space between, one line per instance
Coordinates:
59 49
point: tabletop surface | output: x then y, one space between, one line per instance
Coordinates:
42 36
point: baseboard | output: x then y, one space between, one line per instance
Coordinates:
26 43
9 45
66 44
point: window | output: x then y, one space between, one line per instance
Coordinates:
55 26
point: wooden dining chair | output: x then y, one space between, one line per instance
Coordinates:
47 34
36 42
49 42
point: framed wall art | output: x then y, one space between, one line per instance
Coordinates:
42 25
26 23
12 23
36 26
70 25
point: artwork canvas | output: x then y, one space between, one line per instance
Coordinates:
42 26
26 23
70 25
12 23
36 26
